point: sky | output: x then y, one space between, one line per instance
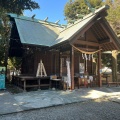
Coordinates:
53 9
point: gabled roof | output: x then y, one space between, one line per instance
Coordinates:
36 32
73 29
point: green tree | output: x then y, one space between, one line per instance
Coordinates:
114 15
114 21
18 6
76 9
10 6
15 63
4 34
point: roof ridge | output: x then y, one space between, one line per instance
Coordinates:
87 16
22 17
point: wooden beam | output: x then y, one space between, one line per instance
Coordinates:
104 41
88 43
104 48
59 63
108 46
80 33
99 67
97 31
55 63
87 49
106 29
72 67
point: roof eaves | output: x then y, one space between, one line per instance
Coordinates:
115 36
34 44
58 44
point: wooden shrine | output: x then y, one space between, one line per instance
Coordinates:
81 42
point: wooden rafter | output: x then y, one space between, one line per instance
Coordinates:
106 41
77 36
108 46
99 32
105 47
112 46
106 29
95 33
100 36
86 43
87 49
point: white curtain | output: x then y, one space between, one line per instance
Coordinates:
68 74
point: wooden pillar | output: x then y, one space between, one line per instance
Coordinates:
72 67
59 64
55 63
114 65
99 67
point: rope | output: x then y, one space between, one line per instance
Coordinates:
85 51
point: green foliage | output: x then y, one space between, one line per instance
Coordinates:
114 20
18 6
118 62
4 34
107 60
14 63
10 6
114 15
2 55
76 9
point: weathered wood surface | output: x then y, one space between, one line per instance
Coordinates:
24 81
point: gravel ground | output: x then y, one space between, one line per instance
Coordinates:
93 110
